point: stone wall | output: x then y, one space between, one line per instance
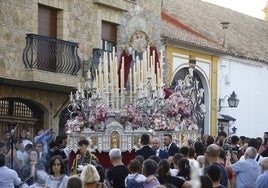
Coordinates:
78 21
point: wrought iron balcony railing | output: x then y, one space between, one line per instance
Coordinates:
49 54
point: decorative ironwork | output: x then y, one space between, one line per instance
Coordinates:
45 53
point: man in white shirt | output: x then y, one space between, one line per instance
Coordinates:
8 177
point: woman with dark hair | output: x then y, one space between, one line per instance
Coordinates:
206 182
57 177
164 176
29 172
184 169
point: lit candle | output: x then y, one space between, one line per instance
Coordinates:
138 70
79 87
77 95
153 67
161 66
134 78
88 74
122 74
71 97
116 80
113 53
130 83
97 78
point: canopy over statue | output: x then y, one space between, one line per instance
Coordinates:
139 30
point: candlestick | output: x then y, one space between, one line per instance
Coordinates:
79 87
122 82
130 83
71 97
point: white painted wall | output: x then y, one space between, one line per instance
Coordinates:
249 80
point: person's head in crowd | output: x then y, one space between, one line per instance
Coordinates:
265 142
7 136
83 146
176 159
206 181
214 173
265 134
222 137
234 140
60 141
53 138
149 167
264 164
28 136
243 148
56 165
134 166
28 148
115 156
252 142
39 146
64 139
155 143
167 139
23 134
210 140
2 160
18 144
90 174
222 155
184 169
155 158
184 150
2 147
199 148
204 138
139 158
163 168
192 153
213 152
74 182
260 142
250 153
145 139
242 140
33 156
53 146
101 172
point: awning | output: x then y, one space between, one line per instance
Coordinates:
223 117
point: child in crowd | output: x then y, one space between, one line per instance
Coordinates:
135 179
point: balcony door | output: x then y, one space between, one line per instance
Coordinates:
47 26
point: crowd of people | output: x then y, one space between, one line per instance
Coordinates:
221 162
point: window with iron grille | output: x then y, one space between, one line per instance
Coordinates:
20 111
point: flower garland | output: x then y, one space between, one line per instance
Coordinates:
178 116
100 115
75 124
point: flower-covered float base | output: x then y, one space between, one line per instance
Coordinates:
125 137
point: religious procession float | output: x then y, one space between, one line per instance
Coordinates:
125 96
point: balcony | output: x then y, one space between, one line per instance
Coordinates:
119 5
49 54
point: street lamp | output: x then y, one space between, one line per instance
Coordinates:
233 101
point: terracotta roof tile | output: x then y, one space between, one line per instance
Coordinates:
247 36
